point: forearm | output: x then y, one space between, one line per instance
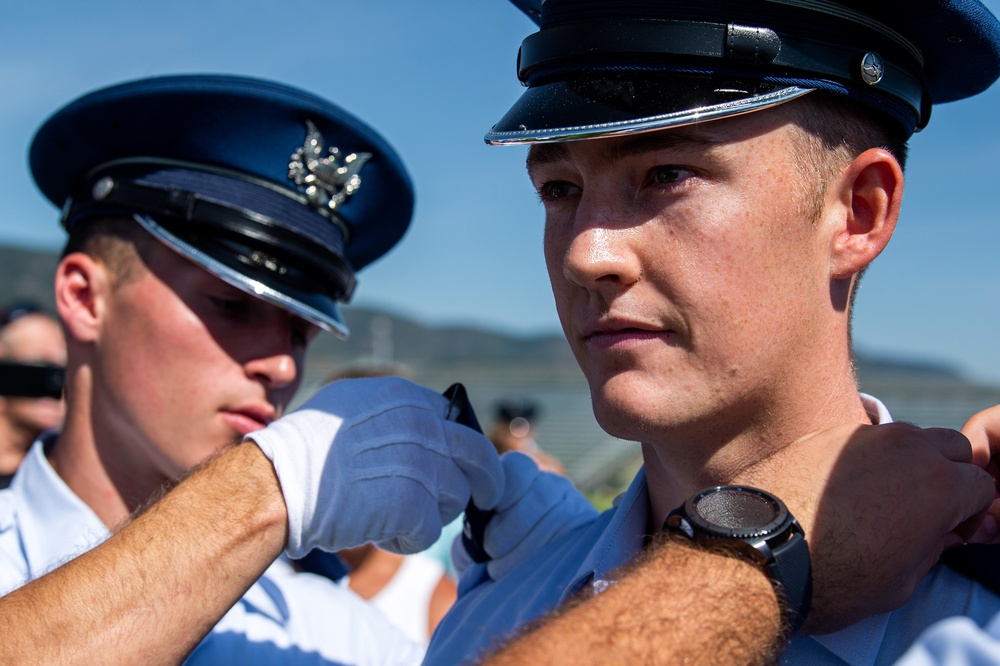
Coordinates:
675 604
161 583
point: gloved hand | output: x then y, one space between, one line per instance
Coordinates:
376 459
536 509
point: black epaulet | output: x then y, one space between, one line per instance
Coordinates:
980 562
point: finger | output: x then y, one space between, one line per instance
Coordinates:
974 492
519 471
988 531
509 528
475 456
516 554
551 496
551 506
983 431
952 444
460 558
413 538
551 522
453 497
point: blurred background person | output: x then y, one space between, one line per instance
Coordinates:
413 591
514 429
28 335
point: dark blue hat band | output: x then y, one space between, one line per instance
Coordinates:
305 248
730 49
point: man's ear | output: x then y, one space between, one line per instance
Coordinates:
871 192
81 288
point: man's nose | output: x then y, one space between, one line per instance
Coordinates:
275 361
601 254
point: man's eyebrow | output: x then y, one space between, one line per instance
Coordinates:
679 139
541 154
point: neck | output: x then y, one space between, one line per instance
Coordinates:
699 456
79 456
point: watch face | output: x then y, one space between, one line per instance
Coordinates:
737 512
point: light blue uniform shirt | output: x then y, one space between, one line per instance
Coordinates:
488 611
956 641
286 617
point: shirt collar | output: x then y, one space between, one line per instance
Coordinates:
620 541
877 412
55 525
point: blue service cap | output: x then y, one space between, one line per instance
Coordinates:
605 67
276 191
514 408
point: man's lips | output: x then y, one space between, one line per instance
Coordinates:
245 421
623 335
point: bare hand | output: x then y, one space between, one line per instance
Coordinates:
983 431
879 504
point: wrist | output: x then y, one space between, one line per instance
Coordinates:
244 481
756 525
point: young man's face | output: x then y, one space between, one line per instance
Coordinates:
686 270
187 364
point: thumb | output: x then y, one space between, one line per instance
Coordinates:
983 431
475 456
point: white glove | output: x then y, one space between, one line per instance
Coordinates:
536 509
376 459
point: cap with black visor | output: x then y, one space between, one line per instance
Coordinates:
606 68
270 188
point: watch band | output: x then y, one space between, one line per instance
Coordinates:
791 571
757 523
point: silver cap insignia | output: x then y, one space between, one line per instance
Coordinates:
326 181
872 68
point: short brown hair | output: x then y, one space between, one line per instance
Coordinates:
120 243
837 131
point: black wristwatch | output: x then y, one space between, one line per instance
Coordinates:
758 524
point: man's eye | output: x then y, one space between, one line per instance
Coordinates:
667 175
302 332
230 306
553 190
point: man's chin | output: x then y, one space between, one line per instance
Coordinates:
623 421
636 413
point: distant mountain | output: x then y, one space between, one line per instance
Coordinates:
376 334
27 274
883 369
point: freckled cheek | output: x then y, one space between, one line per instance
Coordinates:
562 289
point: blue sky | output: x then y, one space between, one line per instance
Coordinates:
432 76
